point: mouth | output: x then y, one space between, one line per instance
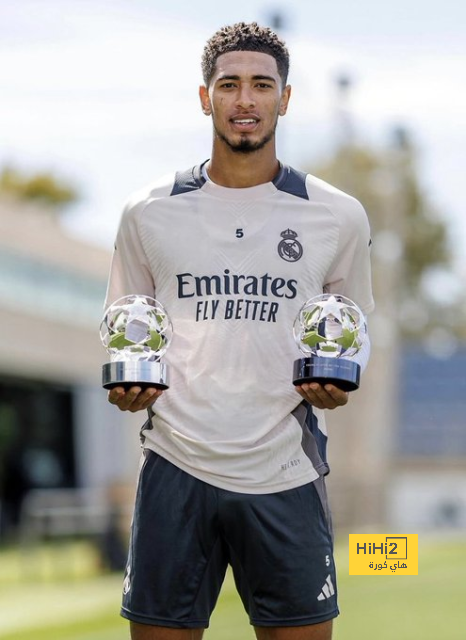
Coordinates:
245 124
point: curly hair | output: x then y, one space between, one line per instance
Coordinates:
244 37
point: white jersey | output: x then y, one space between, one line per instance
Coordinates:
232 267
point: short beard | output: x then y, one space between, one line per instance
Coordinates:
245 145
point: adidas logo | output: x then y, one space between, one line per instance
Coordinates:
127 581
328 590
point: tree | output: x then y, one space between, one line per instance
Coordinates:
408 233
41 187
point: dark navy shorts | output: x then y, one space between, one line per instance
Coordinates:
185 533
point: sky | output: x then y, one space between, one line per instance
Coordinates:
104 93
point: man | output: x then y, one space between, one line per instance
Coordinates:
234 454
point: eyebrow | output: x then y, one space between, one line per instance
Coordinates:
256 77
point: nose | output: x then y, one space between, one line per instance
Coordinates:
245 99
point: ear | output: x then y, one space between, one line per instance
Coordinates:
284 100
205 100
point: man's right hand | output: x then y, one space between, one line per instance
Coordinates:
133 399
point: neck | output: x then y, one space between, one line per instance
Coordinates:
228 168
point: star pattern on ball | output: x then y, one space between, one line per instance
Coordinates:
329 325
331 307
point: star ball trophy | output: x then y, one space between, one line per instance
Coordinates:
136 331
329 330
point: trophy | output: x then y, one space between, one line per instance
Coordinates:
329 330
136 331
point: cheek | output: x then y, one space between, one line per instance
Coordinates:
273 106
219 109
274 112
218 105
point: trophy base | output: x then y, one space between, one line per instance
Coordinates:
141 373
340 372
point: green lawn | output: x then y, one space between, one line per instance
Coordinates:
58 593
428 606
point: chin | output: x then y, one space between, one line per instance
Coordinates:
247 145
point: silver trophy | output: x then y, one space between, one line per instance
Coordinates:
329 330
136 331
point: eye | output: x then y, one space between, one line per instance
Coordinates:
227 85
264 85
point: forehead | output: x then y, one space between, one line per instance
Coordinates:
245 64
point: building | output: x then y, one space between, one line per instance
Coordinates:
428 483
56 428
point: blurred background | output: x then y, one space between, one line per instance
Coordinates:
98 98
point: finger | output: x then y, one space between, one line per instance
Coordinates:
127 400
317 391
338 395
311 394
146 399
319 397
115 395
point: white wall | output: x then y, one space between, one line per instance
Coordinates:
423 501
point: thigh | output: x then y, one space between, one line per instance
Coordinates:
322 631
147 632
176 562
281 551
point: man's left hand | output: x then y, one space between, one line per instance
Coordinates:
323 396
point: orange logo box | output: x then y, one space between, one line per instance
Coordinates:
383 554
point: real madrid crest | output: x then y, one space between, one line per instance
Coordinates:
289 248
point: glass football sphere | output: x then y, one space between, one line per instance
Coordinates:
136 327
329 326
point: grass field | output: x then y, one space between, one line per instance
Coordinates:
58 593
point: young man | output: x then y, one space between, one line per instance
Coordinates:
234 454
